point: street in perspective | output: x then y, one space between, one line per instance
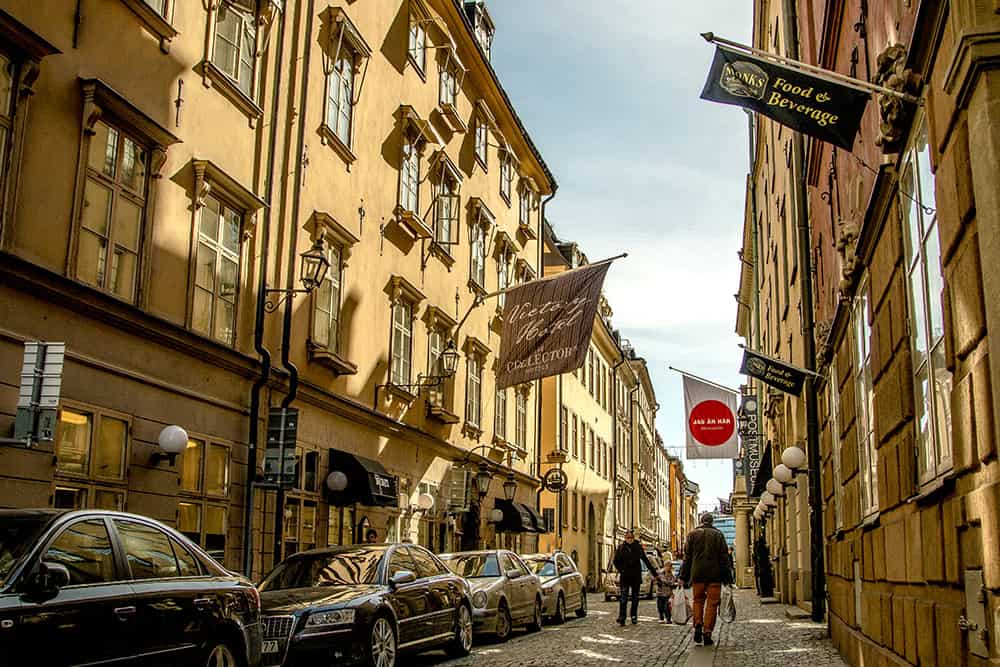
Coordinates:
469 332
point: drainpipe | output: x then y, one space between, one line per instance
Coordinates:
809 349
258 329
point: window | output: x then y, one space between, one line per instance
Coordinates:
417 49
503 278
91 452
85 549
402 338
575 508
448 82
205 468
477 270
563 429
473 391
158 6
482 141
435 346
524 207
591 457
147 551
235 45
409 173
833 396
111 220
506 175
299 530
521 420
217 270
205 525
8 77
446 208
340 97
865 426
932 380
326 318
500 418
575 439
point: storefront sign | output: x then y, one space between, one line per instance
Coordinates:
819 108
555 480
777 374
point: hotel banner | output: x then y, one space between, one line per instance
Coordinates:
547 325
829 111
710 413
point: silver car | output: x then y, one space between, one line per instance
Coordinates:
563 588
505 593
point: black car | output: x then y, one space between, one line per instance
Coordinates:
363 604
91 587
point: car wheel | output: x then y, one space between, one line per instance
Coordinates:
382 644
220 655
503 622
582 611
461 644
536 621
560 616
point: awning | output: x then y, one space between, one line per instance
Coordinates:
368 482
517 517
536 519
764 472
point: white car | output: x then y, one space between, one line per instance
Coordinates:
563 587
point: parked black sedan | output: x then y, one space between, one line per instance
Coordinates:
93 587
363 604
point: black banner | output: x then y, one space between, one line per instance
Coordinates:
547 325
829 111
779 375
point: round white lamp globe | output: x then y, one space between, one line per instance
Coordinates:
775 488
336 481
496 516
783 473
425 501
794 457
768 499
173 439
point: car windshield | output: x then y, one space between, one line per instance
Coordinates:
543 567
17 535
471 566
330 568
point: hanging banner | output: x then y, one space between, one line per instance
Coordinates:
711 421
777 374
547 325
829 111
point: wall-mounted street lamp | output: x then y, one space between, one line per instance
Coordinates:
509 486
336 481
768 499
776 488
783 474
314 267
482 480
448 365
172 440
794 458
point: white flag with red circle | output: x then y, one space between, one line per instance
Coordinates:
710 414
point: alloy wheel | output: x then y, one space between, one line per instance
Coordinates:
503 623
582 610
383 644
537 624
221 656
560 609
465 628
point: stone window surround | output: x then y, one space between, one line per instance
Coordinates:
401 290
341 32
101 102
322 225
481 221
420 134
450 68
475 350
442 167
161 25
483 120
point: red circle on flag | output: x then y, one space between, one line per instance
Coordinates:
711 423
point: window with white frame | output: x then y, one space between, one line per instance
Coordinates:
158 6
111 218
417 47
402 342
506 175
436 341
217 270
833 397
235 45
340 96
575 438
524 203
477 268
482 141
563 429
409 173
931 379
474 390
503 277
500 415
865 395
446 208
448 77
326 318
521 420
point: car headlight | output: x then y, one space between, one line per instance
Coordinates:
547 590
338 617
479 600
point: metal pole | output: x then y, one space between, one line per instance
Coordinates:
701 379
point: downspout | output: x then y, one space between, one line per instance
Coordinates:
809 350
258 329
286 329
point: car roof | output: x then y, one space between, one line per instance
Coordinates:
482 552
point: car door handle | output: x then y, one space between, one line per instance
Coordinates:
124 612
202 602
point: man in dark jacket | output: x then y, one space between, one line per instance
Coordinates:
706 568
628 555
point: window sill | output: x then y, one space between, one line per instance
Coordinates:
321 355
412 223
397 392
500 441
329 138
527 231
477 289
451 117
871 522
156 23
442 414
213 77
440 251
481 161
471 430
932 490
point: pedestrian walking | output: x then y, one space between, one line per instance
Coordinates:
706 569
664 589
628 557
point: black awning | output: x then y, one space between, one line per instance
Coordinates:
368 482
516 517
764 472
536 519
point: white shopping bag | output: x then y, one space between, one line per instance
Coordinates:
680 609
727 605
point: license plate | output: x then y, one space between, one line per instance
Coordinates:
271 646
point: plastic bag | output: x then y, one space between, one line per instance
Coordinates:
727 605
680 609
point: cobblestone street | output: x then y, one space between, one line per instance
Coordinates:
761 635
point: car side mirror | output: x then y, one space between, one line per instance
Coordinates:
402 577
513 573
49 578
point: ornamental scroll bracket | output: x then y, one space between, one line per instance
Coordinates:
894 112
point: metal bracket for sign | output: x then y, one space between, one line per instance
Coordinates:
805 371
819 72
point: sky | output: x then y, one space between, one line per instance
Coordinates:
609 93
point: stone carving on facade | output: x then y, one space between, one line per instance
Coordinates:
822 336
894 112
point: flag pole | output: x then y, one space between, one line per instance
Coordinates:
776 360
701 379
828 75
